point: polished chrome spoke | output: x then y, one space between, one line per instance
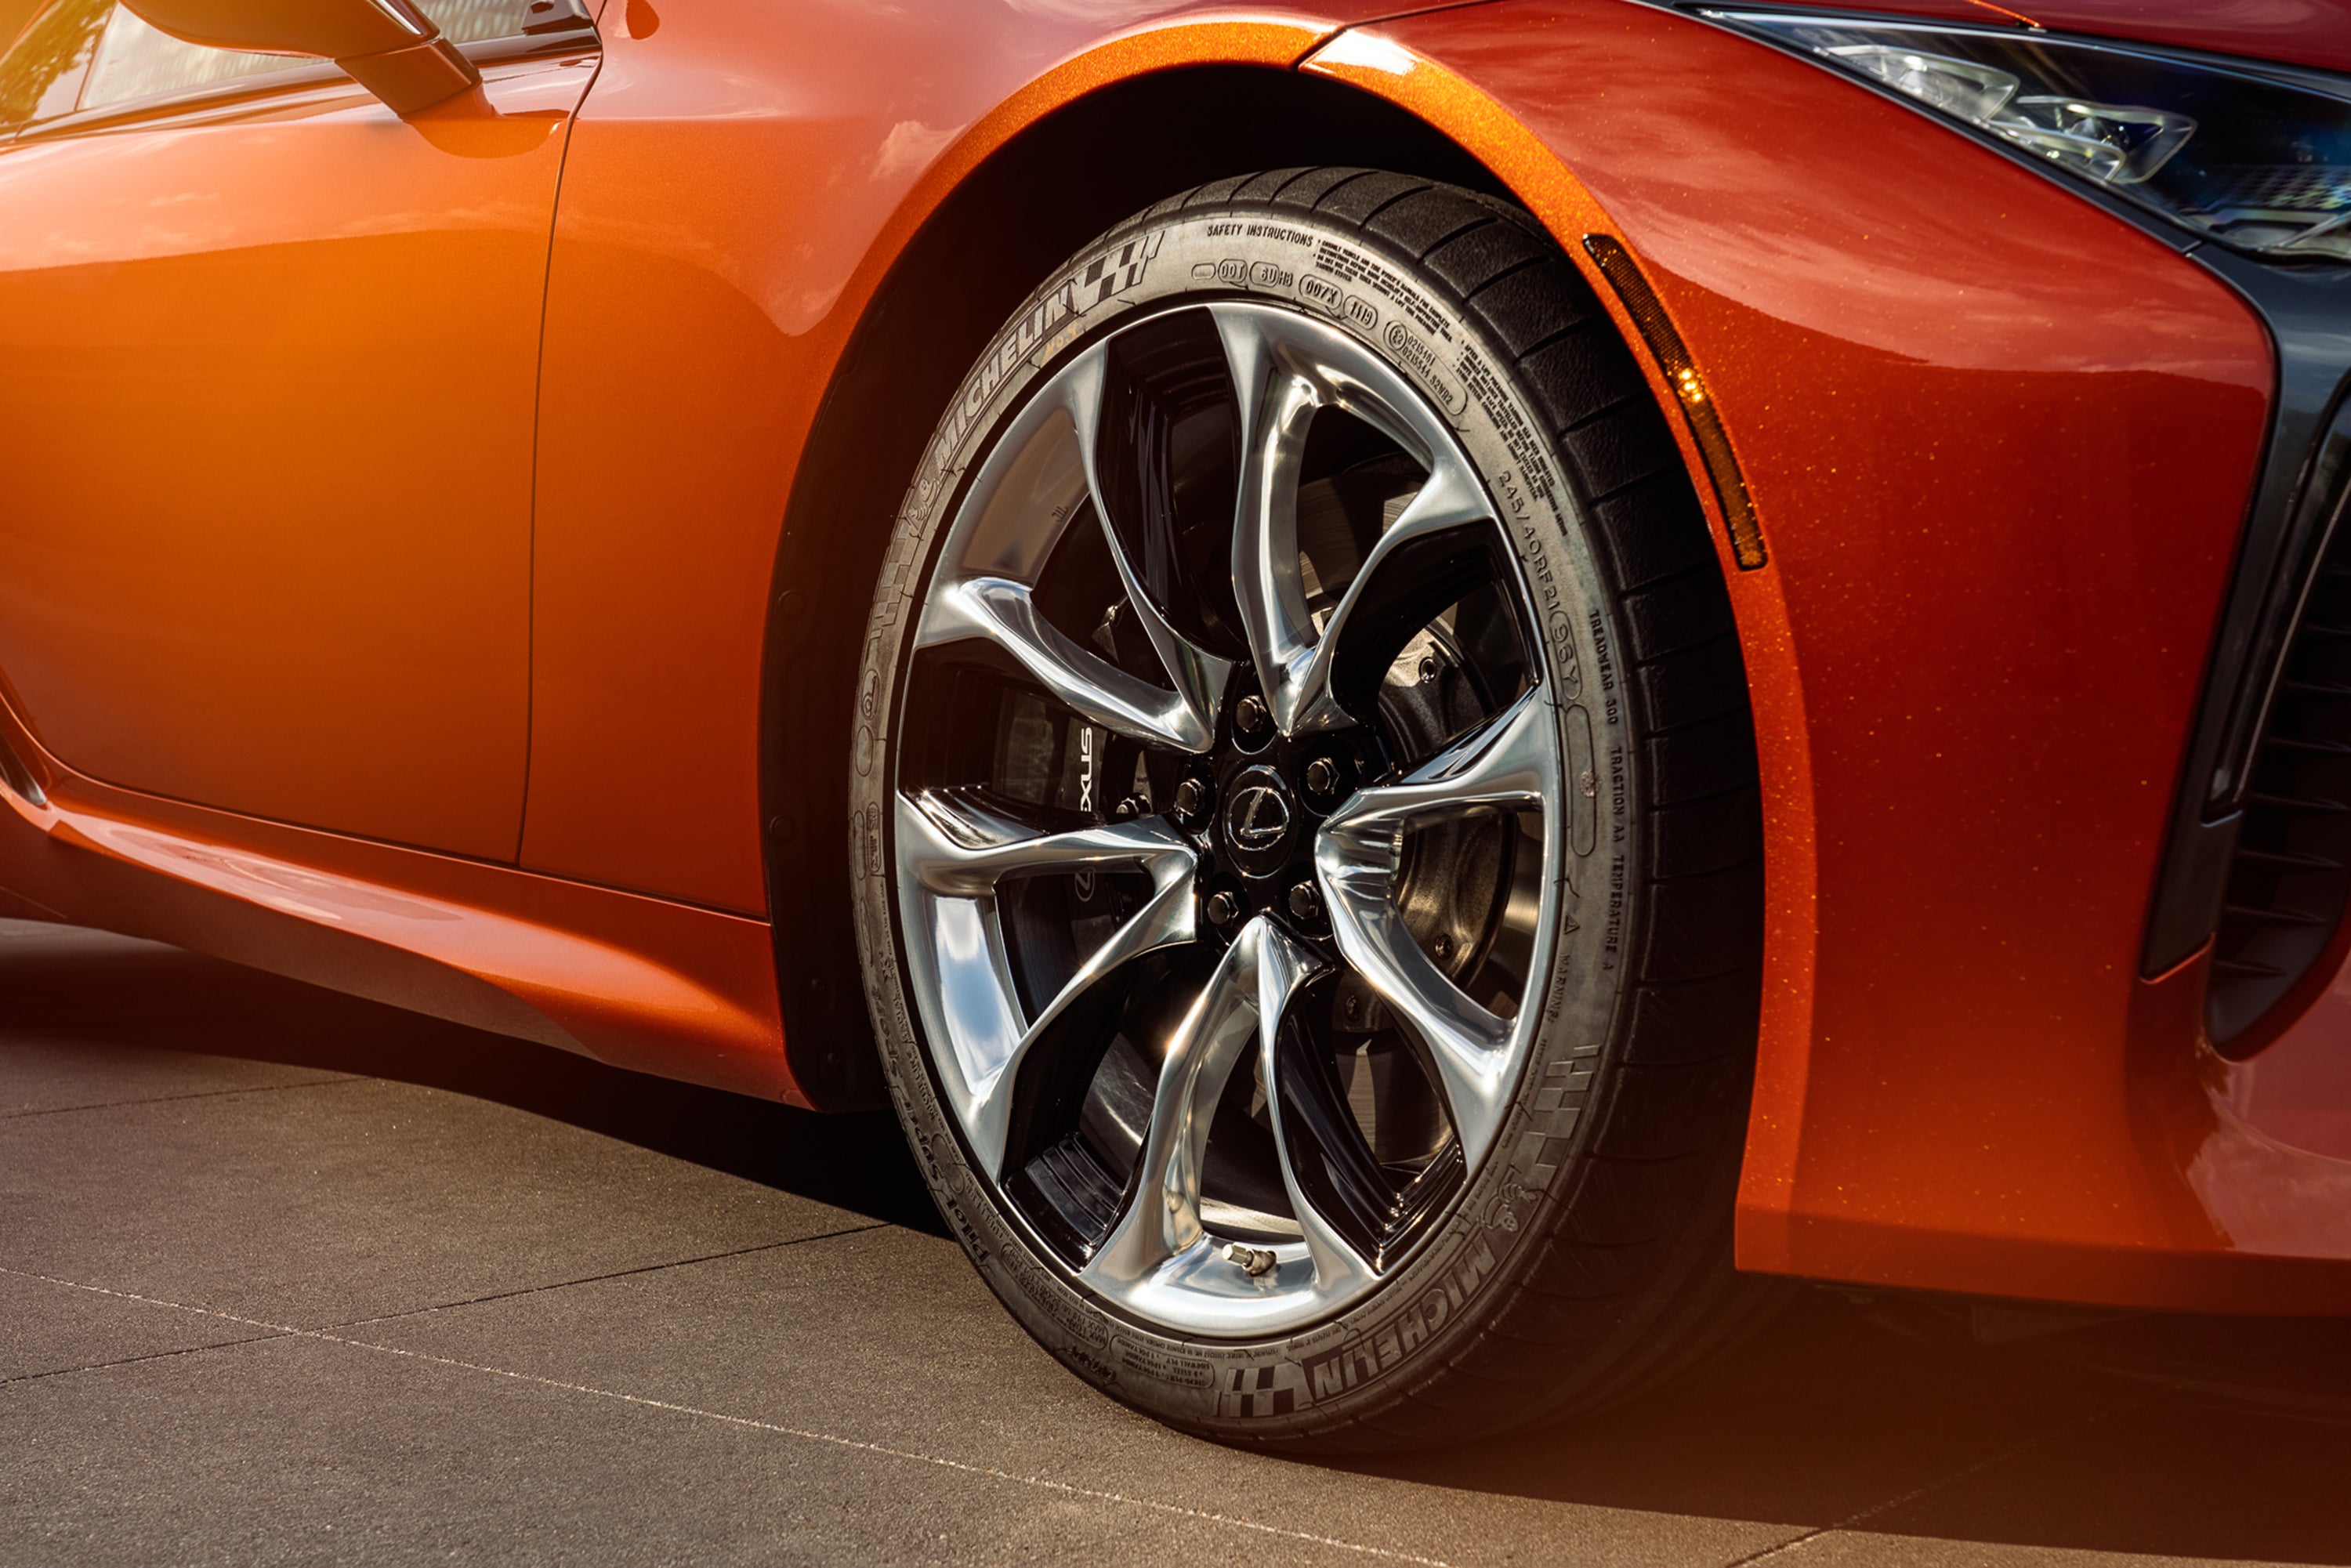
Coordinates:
1510 764
976 596
954 848
1339 1270
1275 401
1159 1260
953 857
1449 498
1163 1220
1198 676
1004 613
1284 367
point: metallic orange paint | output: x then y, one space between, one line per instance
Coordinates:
309 597
739 186
643 983
1972 656
655 983
1958 394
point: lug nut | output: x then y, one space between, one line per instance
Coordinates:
1191 798
1224 908
1322 779
1304 902
1249 717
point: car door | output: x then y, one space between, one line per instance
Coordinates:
268 362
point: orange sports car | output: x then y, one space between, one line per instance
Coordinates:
1420 681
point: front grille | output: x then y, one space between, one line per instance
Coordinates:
2292 874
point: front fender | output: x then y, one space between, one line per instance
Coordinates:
2000 445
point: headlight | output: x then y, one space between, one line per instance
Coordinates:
2258 160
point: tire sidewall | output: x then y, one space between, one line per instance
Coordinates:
1402 1336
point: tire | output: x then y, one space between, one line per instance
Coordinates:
1575 723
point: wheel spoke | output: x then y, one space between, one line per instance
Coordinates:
1449 498
1275 405
1160 1233
1283 371
1509 764
1003 610
955 855
1004 613
959 848
1198 676
1338 1266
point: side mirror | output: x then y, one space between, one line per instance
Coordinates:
388 46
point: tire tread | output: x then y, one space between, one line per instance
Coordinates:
1643 1262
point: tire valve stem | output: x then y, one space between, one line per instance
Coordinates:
1254 1261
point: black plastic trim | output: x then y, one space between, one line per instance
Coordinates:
2289 877
2308 310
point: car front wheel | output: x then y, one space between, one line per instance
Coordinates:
1306 829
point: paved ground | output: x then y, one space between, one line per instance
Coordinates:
287 1277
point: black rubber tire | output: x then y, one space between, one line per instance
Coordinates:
1589 1256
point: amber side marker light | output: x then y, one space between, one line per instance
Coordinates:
1657 329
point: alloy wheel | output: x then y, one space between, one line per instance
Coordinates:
1227 843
